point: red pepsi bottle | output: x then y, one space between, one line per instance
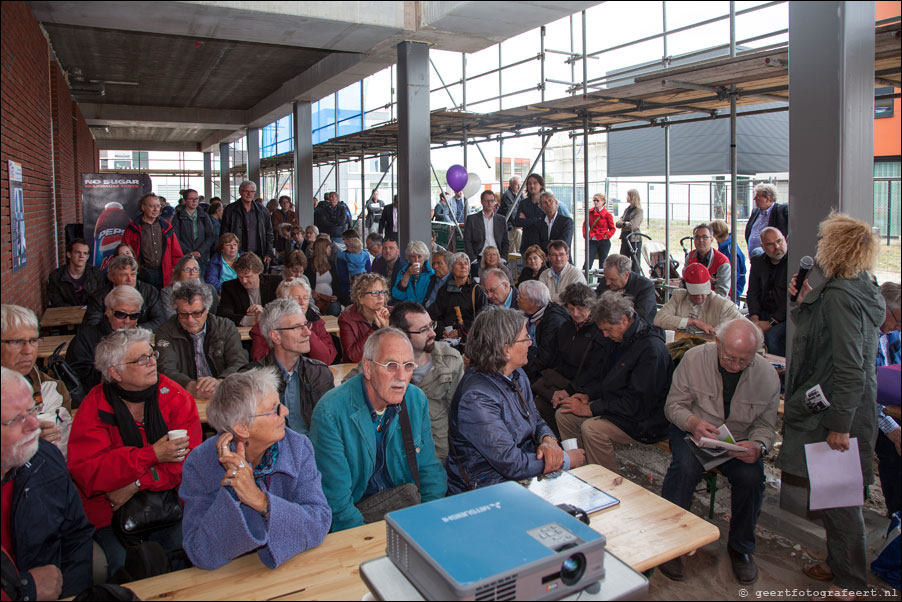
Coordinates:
108 233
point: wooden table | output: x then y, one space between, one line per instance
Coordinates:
62 316
331 324
245 332
49 344
644 530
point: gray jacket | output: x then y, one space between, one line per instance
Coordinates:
439 385
222 347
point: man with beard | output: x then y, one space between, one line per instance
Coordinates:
46 535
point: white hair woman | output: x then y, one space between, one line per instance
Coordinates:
457 301
121 443
413 281
495 432
256 486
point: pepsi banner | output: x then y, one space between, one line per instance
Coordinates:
109 202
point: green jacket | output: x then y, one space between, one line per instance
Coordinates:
222 346
344 442
835 346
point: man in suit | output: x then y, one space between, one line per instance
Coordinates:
388 222
243 298
618 277
486 229
556 225
768 213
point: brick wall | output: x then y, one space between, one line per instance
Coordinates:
43 129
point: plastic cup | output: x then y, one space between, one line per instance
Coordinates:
178 434
569 444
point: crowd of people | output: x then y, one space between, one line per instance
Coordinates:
466 376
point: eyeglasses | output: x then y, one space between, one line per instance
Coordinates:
736 361
194 314
527 339
500 286
304 326
393 367
376 293
19 343
121 315
191 270
143 360
31 412
431 326
701 237
277 410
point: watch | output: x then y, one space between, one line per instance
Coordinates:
138 483
773 322
763 449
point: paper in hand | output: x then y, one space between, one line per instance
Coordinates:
835 476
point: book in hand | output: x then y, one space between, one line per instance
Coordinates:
709 443
564 488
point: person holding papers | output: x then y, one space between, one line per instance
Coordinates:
724 383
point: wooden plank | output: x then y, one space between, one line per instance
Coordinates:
62 316
331 324
48 344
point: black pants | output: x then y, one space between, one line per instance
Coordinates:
889 472
600 249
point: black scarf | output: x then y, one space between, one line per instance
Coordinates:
154 425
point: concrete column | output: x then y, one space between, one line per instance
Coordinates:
208 176
224 179
253 158
831 134
413 143
303 161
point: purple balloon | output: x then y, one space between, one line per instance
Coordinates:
457 177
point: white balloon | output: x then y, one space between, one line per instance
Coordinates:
474 185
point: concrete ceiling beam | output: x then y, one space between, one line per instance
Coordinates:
168 117
146 145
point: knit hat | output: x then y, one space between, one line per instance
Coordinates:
697 279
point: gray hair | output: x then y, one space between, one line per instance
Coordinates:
612 306
187 290
123 294
497 273
312 227
493 329
10 378
236 398
16 316
750 327
547 194
112 349
515 179
371 347
890 292
180 266
578 294
282 290
703 226
455 257
619 262
768 190
121 262
272 315
248 183
774 230
416 247
535 291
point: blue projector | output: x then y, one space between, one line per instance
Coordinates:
497 543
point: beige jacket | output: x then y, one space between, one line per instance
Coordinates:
570 275
675 314
697 390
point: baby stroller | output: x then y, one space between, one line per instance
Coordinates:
653 261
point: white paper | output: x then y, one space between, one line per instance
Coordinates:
708 443
835 476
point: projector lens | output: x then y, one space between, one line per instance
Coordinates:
573 568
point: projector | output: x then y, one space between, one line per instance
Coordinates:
496 543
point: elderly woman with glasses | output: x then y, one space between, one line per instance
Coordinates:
496 434
255 487
415 280
186 268
458 300
367 314
120 442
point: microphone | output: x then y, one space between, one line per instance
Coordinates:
805 265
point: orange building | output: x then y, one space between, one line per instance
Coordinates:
888 130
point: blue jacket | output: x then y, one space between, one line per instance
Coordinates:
492 437
417 287
895 349
724 248
345 442
49 522
214 272
217 528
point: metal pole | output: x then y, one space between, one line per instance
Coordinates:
363 199
733 177
323 183
531 168
664 38
585 166
732 32
337 174
666 207
542 82
463 106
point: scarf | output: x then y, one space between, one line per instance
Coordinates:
154 425
267 463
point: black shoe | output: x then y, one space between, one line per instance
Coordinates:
673 569
744 567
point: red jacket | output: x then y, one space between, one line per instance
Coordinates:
100 463
172 251
321 346
353 330
603 228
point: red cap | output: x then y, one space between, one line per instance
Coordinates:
697 279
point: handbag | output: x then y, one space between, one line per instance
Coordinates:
56 366
147 511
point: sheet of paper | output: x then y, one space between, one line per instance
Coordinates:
835 476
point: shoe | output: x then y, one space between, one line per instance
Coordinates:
744 567
673 569
819 571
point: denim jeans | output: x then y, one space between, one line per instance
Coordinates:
746 482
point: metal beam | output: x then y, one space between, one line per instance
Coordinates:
302 134
156 116
413 143
208 176
253 158
225 189
146 145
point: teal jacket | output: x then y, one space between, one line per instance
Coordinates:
344 442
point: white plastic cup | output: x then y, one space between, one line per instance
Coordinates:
569 444
449 328
178 434
668 336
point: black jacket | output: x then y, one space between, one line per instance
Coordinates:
767 288
234 301
474 235
450 296
184 232
373 212
151 312
541 355
508 198
630 381
49 523
80 353
233 221
222 349
332 220
779 219
387 225
316 380
642 290
561 229
533 216
61 293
